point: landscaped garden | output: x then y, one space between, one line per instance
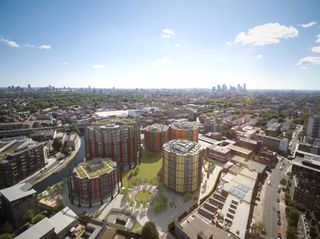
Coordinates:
146 172
143 196
141 186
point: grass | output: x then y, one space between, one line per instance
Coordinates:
143 196
83 168
149 168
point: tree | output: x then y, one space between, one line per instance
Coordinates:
75 128
6 236
7 227
59 205
28 215
283 182
149 231
292 216
57 144
291 232
37 218
257 229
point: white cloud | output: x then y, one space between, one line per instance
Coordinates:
229 43
177 45
259 56
316 49
318 38
309 60
167 33
269 33
29 45
306 25
45 47
9 42
99 67
65 63
162 61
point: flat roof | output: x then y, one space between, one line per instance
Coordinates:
195 225
256 166
182 146
156 128
112 123
274 126
95 167
17 191
63 219
299 161
208 140
251 141
112 113
38 230
240 217
239 149
220 149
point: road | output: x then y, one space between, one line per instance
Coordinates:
270 204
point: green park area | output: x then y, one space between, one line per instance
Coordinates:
146 172
143 196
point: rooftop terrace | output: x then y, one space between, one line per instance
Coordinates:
156 128
182 146
95 167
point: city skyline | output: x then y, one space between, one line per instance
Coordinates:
269 45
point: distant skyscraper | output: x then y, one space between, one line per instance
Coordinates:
218 88
29 87
224 87
244 87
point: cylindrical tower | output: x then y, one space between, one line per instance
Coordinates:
118 140
182 163
184 130
155 136
93 182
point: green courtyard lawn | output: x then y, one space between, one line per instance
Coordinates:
146 172
143 196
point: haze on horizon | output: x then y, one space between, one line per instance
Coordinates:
160 44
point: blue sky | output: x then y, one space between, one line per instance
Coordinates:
168 44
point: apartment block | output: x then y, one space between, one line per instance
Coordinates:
155 136
115 139
182 129
93 182
19 158
182 163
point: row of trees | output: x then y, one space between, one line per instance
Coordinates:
36 101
